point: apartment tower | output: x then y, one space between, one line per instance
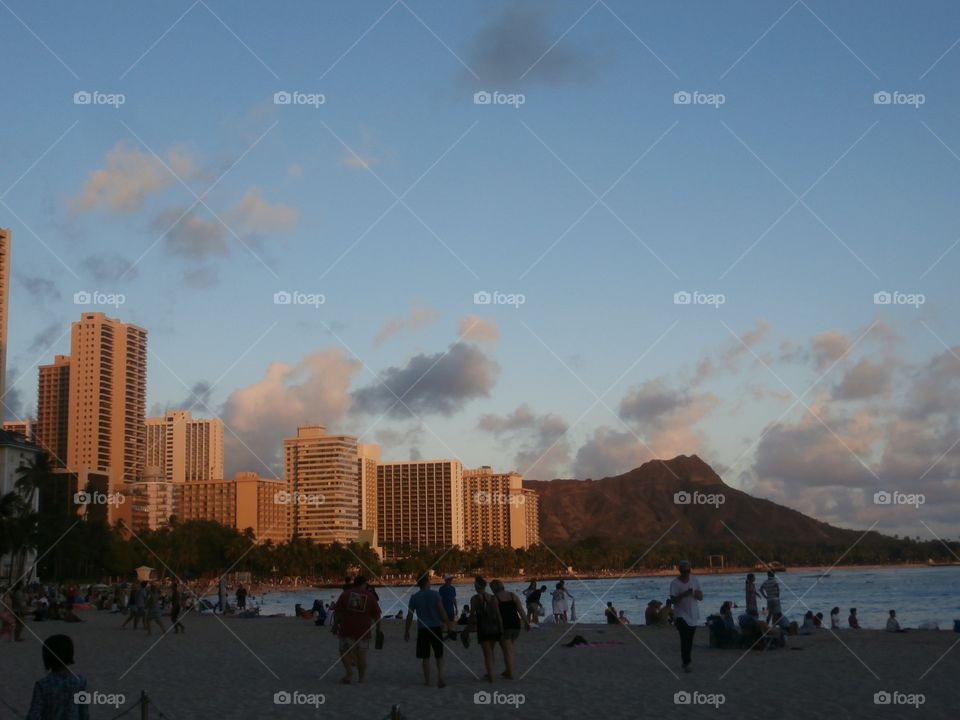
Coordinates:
185 448
321 472
420 505
493 509
107 400
53 409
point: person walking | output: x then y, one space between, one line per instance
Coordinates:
136 606
512 616
358 613
152 609
485 619
431 619
448 595
751 595
685 593
771 591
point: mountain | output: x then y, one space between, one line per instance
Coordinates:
640 506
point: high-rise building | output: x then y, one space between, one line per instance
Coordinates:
108 394
185 448
419 505
494 512
247 501
53 409
322 475
4 309
21 427
531 508
367 460
151 501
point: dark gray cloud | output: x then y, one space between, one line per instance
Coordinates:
648 403
13 399
521 41
191 236
440 383
864 380
40 288
44 340
542 448
609 452
108 267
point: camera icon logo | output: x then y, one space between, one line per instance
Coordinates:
882 98
282 298
682 97
681 697
682 298
482 97
282 98
281 497
82 97
882 498
682 498
882 298
282 698
81 498
482 298
82 297
482 697
882 698
81 698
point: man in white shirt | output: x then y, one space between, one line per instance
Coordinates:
893 625
685 593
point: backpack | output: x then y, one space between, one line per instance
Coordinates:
487 622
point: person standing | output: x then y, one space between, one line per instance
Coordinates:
751 593
19 608
611 614
533 604
54 695
222 595
175 608
560 607
771 591
485 619
152 609
137 605
241 597
358 613
448 595
431 619
685 593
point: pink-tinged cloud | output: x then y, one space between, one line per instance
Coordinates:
473 328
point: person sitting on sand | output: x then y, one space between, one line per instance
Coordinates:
611 614
666 613
835 619
809 623
852 621
53 695
818 620
624 620
651 616
723 629
893 625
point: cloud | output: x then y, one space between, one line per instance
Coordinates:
12 402
863 380
828 347
419 317
666 417
359 162
254 214
729 354
542 447
441 383
40 288
314 390
108 267
44 340
129 177
190 236
609 452
522 41
473 328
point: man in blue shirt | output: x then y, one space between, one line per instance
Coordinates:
431 619
448 595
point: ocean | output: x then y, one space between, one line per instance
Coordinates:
918 595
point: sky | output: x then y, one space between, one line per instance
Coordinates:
191 167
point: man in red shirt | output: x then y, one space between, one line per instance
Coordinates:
356 613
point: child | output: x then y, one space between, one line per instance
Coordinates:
55 695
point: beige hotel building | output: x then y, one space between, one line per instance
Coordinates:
183 447
247 501
495 511
53 409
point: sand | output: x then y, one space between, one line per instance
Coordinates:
231 668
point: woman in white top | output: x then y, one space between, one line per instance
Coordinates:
835 619
560 596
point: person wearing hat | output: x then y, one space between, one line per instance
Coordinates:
448 596
685 593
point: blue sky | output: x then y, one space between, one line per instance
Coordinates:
693 197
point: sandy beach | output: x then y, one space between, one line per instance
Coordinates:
233 668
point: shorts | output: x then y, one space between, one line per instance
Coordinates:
427 639
348 645
511 633
773 606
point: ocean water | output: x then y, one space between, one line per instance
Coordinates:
917 594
